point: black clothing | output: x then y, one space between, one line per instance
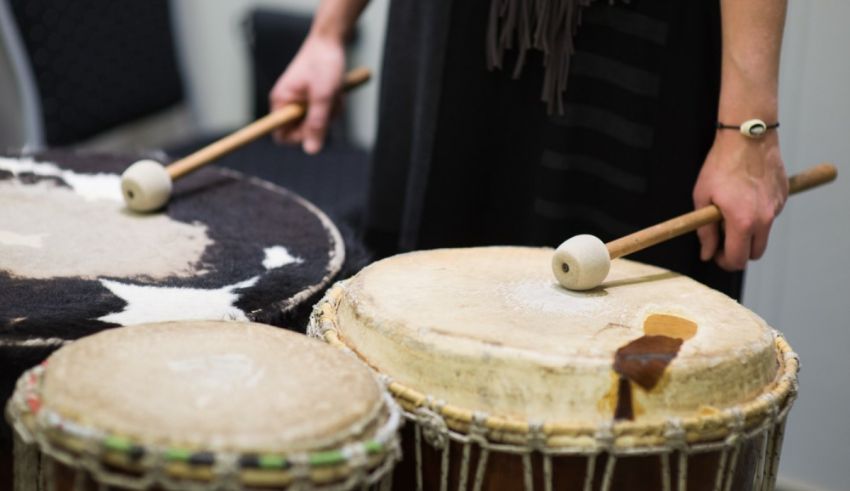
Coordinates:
469 157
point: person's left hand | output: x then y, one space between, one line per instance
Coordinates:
746 179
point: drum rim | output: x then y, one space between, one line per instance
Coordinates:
337 252
77 446
561 436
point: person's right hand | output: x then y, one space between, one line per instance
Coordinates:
315 76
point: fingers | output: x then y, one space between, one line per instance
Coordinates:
746 238
709 235
736 247
709 238
760 236
316 123
736 240
322 104
283 93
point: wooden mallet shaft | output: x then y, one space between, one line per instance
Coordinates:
288 114
812 177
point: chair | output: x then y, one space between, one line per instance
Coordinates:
86 66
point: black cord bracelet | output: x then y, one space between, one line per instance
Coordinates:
753 128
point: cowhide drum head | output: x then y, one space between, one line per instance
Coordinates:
74 260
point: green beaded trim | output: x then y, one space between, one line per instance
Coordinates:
177 454
118 444
273 462
127 447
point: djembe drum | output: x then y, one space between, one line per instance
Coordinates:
202 405
75 261
652 381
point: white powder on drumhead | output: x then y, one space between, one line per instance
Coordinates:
90 186
547 296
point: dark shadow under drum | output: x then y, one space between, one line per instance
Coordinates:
505 472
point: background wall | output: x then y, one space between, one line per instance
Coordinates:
800 286
214 55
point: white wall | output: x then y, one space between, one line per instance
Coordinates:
213 51
802 285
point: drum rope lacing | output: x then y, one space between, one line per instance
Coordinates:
35 424
765 417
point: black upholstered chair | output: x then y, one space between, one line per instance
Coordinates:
86 66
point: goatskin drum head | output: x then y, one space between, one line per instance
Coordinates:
489 329
233 392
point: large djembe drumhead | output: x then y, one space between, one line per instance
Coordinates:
219 405
74 260
483 346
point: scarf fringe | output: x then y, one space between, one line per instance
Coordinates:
545 25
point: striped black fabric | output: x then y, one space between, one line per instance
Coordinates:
640 107
593 173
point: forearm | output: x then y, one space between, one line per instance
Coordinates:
334 19
752 39
745 177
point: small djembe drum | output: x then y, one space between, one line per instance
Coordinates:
202 406
651 381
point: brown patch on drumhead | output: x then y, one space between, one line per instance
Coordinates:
670 325
625 407
642 361
619 399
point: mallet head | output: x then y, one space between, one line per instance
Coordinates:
581 262
146 186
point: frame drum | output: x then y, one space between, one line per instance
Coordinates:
202 405
651 381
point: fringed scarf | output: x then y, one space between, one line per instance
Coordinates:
545 25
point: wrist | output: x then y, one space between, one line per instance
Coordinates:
327 35
770 138
738 104
751 128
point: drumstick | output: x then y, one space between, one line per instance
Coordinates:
582 262
146 185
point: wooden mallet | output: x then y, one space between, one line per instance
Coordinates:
582 262
146 185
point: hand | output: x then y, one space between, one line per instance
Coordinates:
746 179
315 76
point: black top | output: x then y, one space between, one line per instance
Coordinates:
470 157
